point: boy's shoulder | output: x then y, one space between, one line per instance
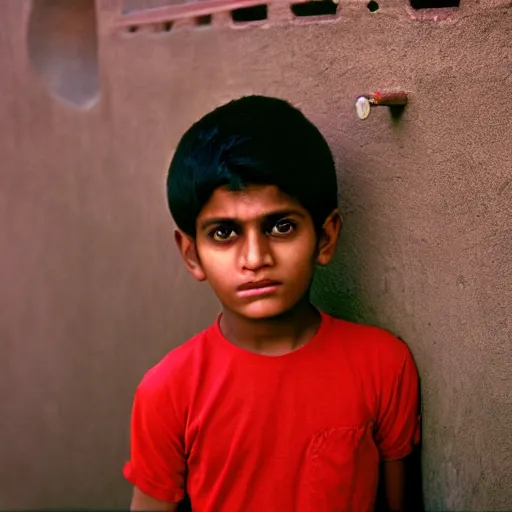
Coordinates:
177 367
366 346
369 342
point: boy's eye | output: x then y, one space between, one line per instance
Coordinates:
223 234
283 227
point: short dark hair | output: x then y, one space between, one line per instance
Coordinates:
248 141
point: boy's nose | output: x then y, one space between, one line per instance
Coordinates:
256 252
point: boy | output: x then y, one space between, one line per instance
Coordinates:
277 407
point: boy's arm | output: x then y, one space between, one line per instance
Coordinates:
142 502
398 428
394 476
157 464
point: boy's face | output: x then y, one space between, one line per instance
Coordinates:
258 249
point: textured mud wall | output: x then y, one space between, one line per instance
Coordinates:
91 289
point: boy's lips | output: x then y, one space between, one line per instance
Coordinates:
258 288
252 285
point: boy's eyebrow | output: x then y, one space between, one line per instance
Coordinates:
271 216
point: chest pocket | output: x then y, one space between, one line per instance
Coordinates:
341 471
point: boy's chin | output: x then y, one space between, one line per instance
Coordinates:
263 310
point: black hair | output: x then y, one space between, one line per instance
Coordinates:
249 141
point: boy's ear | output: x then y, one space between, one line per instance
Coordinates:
329 238
187 247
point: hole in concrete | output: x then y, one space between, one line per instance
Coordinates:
62 45
202 21
246 14
132 29
434 4
315 8
163 27
372 6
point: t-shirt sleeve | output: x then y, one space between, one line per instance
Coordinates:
398 421
157 461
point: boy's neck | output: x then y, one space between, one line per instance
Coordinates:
274 336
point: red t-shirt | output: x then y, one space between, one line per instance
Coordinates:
301 432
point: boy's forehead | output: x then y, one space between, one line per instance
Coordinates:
252 202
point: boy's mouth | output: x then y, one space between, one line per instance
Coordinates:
258 284
258 288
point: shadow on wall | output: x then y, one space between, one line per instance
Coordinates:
63 48
336 289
